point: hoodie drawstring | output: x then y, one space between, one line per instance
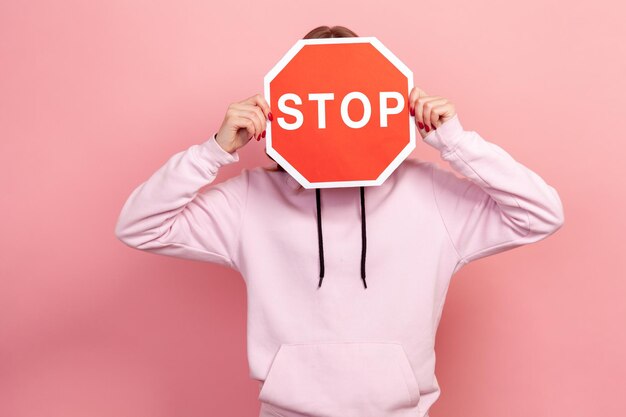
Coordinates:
319 236
321 239
363 236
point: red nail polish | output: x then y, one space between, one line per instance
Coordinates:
412 111
263 134
270 116
420 125
427 129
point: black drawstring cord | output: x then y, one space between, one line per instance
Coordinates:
319 236
363 236
321 240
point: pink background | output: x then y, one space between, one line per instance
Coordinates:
95 96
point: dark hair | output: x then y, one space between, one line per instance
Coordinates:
320 32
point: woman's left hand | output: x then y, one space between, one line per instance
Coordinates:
430 111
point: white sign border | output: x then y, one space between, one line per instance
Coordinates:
338 184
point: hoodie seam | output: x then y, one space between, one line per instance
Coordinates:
195 249
443 222
241 219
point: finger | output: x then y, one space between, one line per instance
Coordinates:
260 101
415 93
258 111
249 113
258 122
435 115
261 117
419 109
428 104
442 112
242 122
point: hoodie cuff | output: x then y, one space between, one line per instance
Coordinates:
214 154
447 136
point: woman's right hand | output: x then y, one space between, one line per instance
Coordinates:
244 121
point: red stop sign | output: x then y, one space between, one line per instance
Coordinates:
341 113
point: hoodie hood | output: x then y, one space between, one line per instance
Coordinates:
295 185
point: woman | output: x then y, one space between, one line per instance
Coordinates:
350 347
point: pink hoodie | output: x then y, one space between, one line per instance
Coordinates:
347 348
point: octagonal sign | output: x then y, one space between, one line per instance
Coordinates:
341 114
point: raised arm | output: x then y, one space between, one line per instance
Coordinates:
497 204
168 215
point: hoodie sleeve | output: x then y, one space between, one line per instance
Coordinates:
168 215
497 204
